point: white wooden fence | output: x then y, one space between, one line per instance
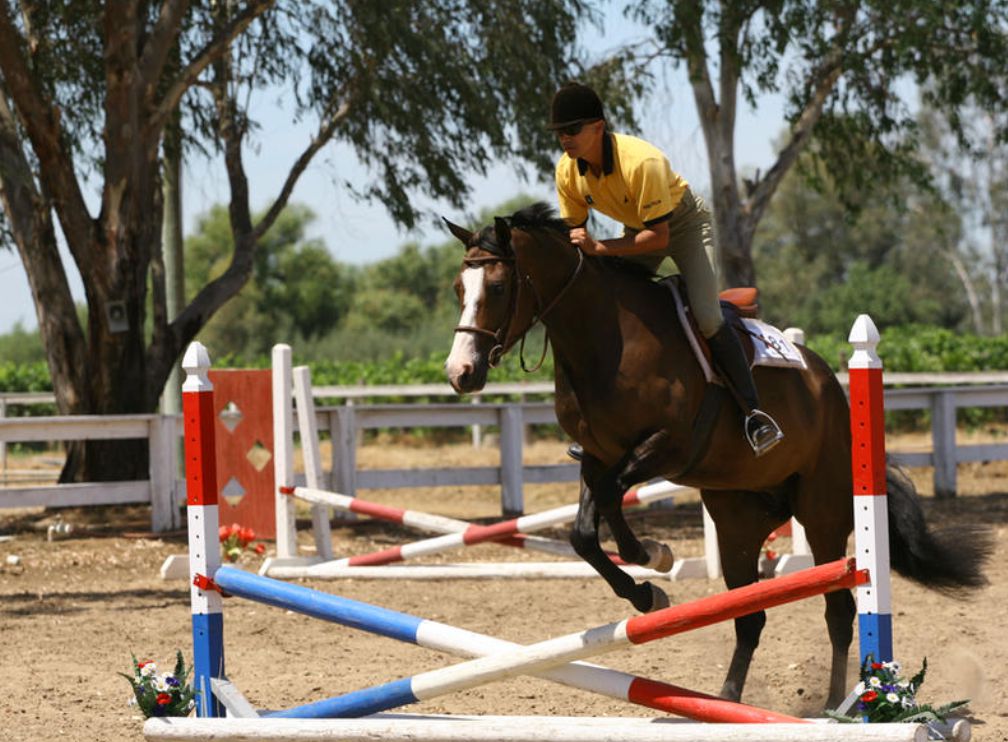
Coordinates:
160 489
164 490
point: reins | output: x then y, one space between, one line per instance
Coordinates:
502 336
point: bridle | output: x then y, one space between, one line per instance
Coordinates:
502 335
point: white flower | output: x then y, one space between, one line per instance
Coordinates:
892 697
874 682
161 684
894 666
148 670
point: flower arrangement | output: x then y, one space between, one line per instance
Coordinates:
235 539
164 694
883 696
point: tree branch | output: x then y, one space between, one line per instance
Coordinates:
31 224
160 42
326 129
41 120
204 58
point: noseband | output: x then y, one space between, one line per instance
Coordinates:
501 337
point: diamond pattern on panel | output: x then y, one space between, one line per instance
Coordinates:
259 456
231 416
233 492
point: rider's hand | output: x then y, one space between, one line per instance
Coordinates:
579 236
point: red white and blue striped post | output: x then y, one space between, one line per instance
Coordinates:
204 522
871 519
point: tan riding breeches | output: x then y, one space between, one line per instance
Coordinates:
690 246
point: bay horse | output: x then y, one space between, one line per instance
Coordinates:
628 389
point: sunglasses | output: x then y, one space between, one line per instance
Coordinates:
570 131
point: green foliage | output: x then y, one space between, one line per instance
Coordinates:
884 260
24 377
297 289
21 346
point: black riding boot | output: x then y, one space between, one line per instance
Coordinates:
761 430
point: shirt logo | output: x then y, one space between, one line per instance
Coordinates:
652 203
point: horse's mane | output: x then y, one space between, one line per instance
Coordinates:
541 215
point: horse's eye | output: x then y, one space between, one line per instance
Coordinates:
497 289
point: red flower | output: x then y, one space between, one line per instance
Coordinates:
770 554
163 699
224 532
141 665
869 696
260 548
876 665
245 536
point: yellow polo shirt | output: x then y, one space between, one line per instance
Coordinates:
637 185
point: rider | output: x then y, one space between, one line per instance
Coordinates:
631 181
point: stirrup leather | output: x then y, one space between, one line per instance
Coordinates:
762 432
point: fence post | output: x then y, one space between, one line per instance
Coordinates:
943 443
203 519
477 431
871 506
162 455
512 497
283 450
343 430
3 444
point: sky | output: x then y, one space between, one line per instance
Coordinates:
361 233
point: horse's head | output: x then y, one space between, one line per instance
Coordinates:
487 295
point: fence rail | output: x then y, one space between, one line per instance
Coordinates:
163 489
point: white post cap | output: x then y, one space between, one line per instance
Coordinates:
196 363
864 336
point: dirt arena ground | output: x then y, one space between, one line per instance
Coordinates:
73 609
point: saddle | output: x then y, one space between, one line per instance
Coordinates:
764 344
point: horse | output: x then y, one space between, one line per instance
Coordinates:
629 390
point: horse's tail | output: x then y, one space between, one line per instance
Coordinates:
950 560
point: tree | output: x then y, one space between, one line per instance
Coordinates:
841 67
426 93
973 184
297 288
884 257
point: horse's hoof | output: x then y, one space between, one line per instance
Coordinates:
659 599
660 557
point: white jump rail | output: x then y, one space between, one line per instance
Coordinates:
518 729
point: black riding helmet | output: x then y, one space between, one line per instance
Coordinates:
574 103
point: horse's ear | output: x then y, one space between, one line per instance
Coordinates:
458 231
503 231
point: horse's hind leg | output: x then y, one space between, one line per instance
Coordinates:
585 540
742 527
827 537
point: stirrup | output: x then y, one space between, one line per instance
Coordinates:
762 432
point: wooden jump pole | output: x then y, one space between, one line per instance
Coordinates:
516 729
535 658
445 638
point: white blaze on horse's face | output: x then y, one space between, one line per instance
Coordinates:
462 358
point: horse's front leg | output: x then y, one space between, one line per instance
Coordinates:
646 460
585 540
